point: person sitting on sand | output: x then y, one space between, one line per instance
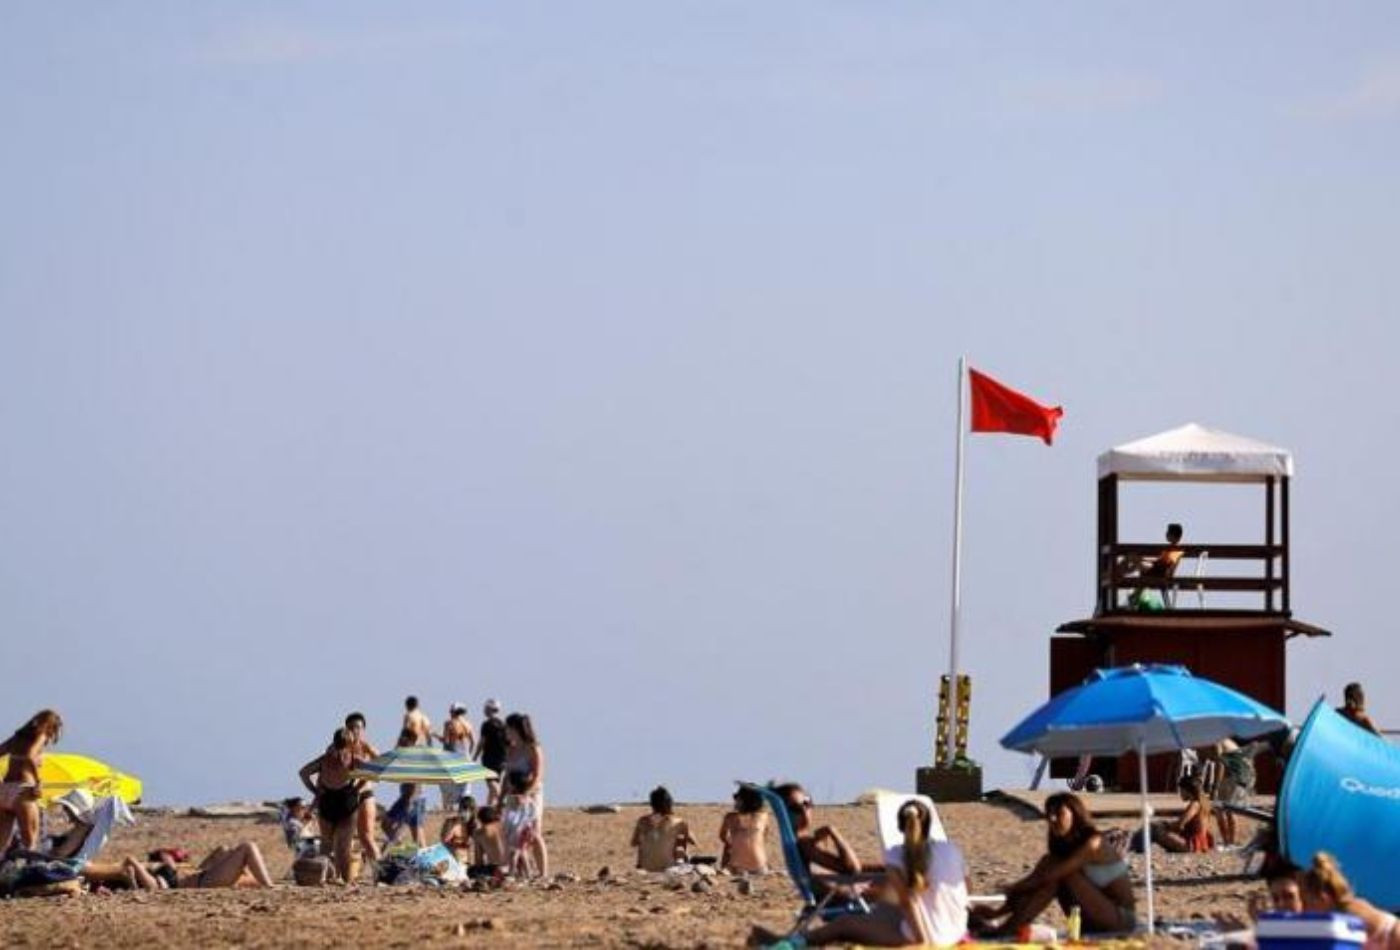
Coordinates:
1326 889
661 839
456 834
488 844
298 823
367 815
1079 867
1160 568
1190 831
1353 708
19 792
743 833
1285 884
927 883
823 849
337 798
410 808
239 866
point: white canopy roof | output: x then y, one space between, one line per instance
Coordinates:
1195 453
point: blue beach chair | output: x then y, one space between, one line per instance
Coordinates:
813 909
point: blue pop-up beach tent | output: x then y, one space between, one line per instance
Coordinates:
1341 794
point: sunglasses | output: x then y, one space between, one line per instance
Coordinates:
801 805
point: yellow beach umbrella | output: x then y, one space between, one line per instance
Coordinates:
61 772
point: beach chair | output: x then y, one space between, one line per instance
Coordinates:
813 909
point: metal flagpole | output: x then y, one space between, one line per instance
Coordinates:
1146 835
956 620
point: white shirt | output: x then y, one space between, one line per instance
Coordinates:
944 903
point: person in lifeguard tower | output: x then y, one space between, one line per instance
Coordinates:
1162 567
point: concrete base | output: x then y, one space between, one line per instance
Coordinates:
950 785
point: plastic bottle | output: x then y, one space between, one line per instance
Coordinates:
1075 925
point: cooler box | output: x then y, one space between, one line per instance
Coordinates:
1278 931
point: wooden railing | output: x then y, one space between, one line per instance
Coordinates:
1272 584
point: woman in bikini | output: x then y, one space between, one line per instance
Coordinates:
19 792
239 866
1190 832
1326 889
743 833
1079 867
336 800
523 790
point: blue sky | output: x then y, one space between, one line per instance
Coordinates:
601 357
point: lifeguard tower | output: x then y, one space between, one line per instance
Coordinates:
1242 645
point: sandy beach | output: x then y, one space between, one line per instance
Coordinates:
574 908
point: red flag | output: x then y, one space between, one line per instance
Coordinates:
997 408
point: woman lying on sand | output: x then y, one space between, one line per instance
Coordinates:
19 792
239 866
926 891
1079 867
1326 889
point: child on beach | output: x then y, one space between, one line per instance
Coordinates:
661 839
743 834
488 844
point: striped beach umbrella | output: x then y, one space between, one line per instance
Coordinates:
425 765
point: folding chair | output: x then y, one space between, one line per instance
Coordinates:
832 904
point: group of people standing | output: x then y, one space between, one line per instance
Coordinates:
346 810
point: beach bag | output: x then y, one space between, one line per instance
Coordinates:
313 871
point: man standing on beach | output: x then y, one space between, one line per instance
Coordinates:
417 722
456 737
491 750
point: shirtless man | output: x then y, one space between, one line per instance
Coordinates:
1354 708
1161 568
416 721
457 736
367 815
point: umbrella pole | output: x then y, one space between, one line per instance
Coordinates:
1146 834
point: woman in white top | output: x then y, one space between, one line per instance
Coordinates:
928 890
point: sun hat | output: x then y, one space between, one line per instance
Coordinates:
79 804
492 706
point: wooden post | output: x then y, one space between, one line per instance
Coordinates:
1286 557
1108 538
1269 543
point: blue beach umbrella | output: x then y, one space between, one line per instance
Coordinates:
423 765
1142 709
